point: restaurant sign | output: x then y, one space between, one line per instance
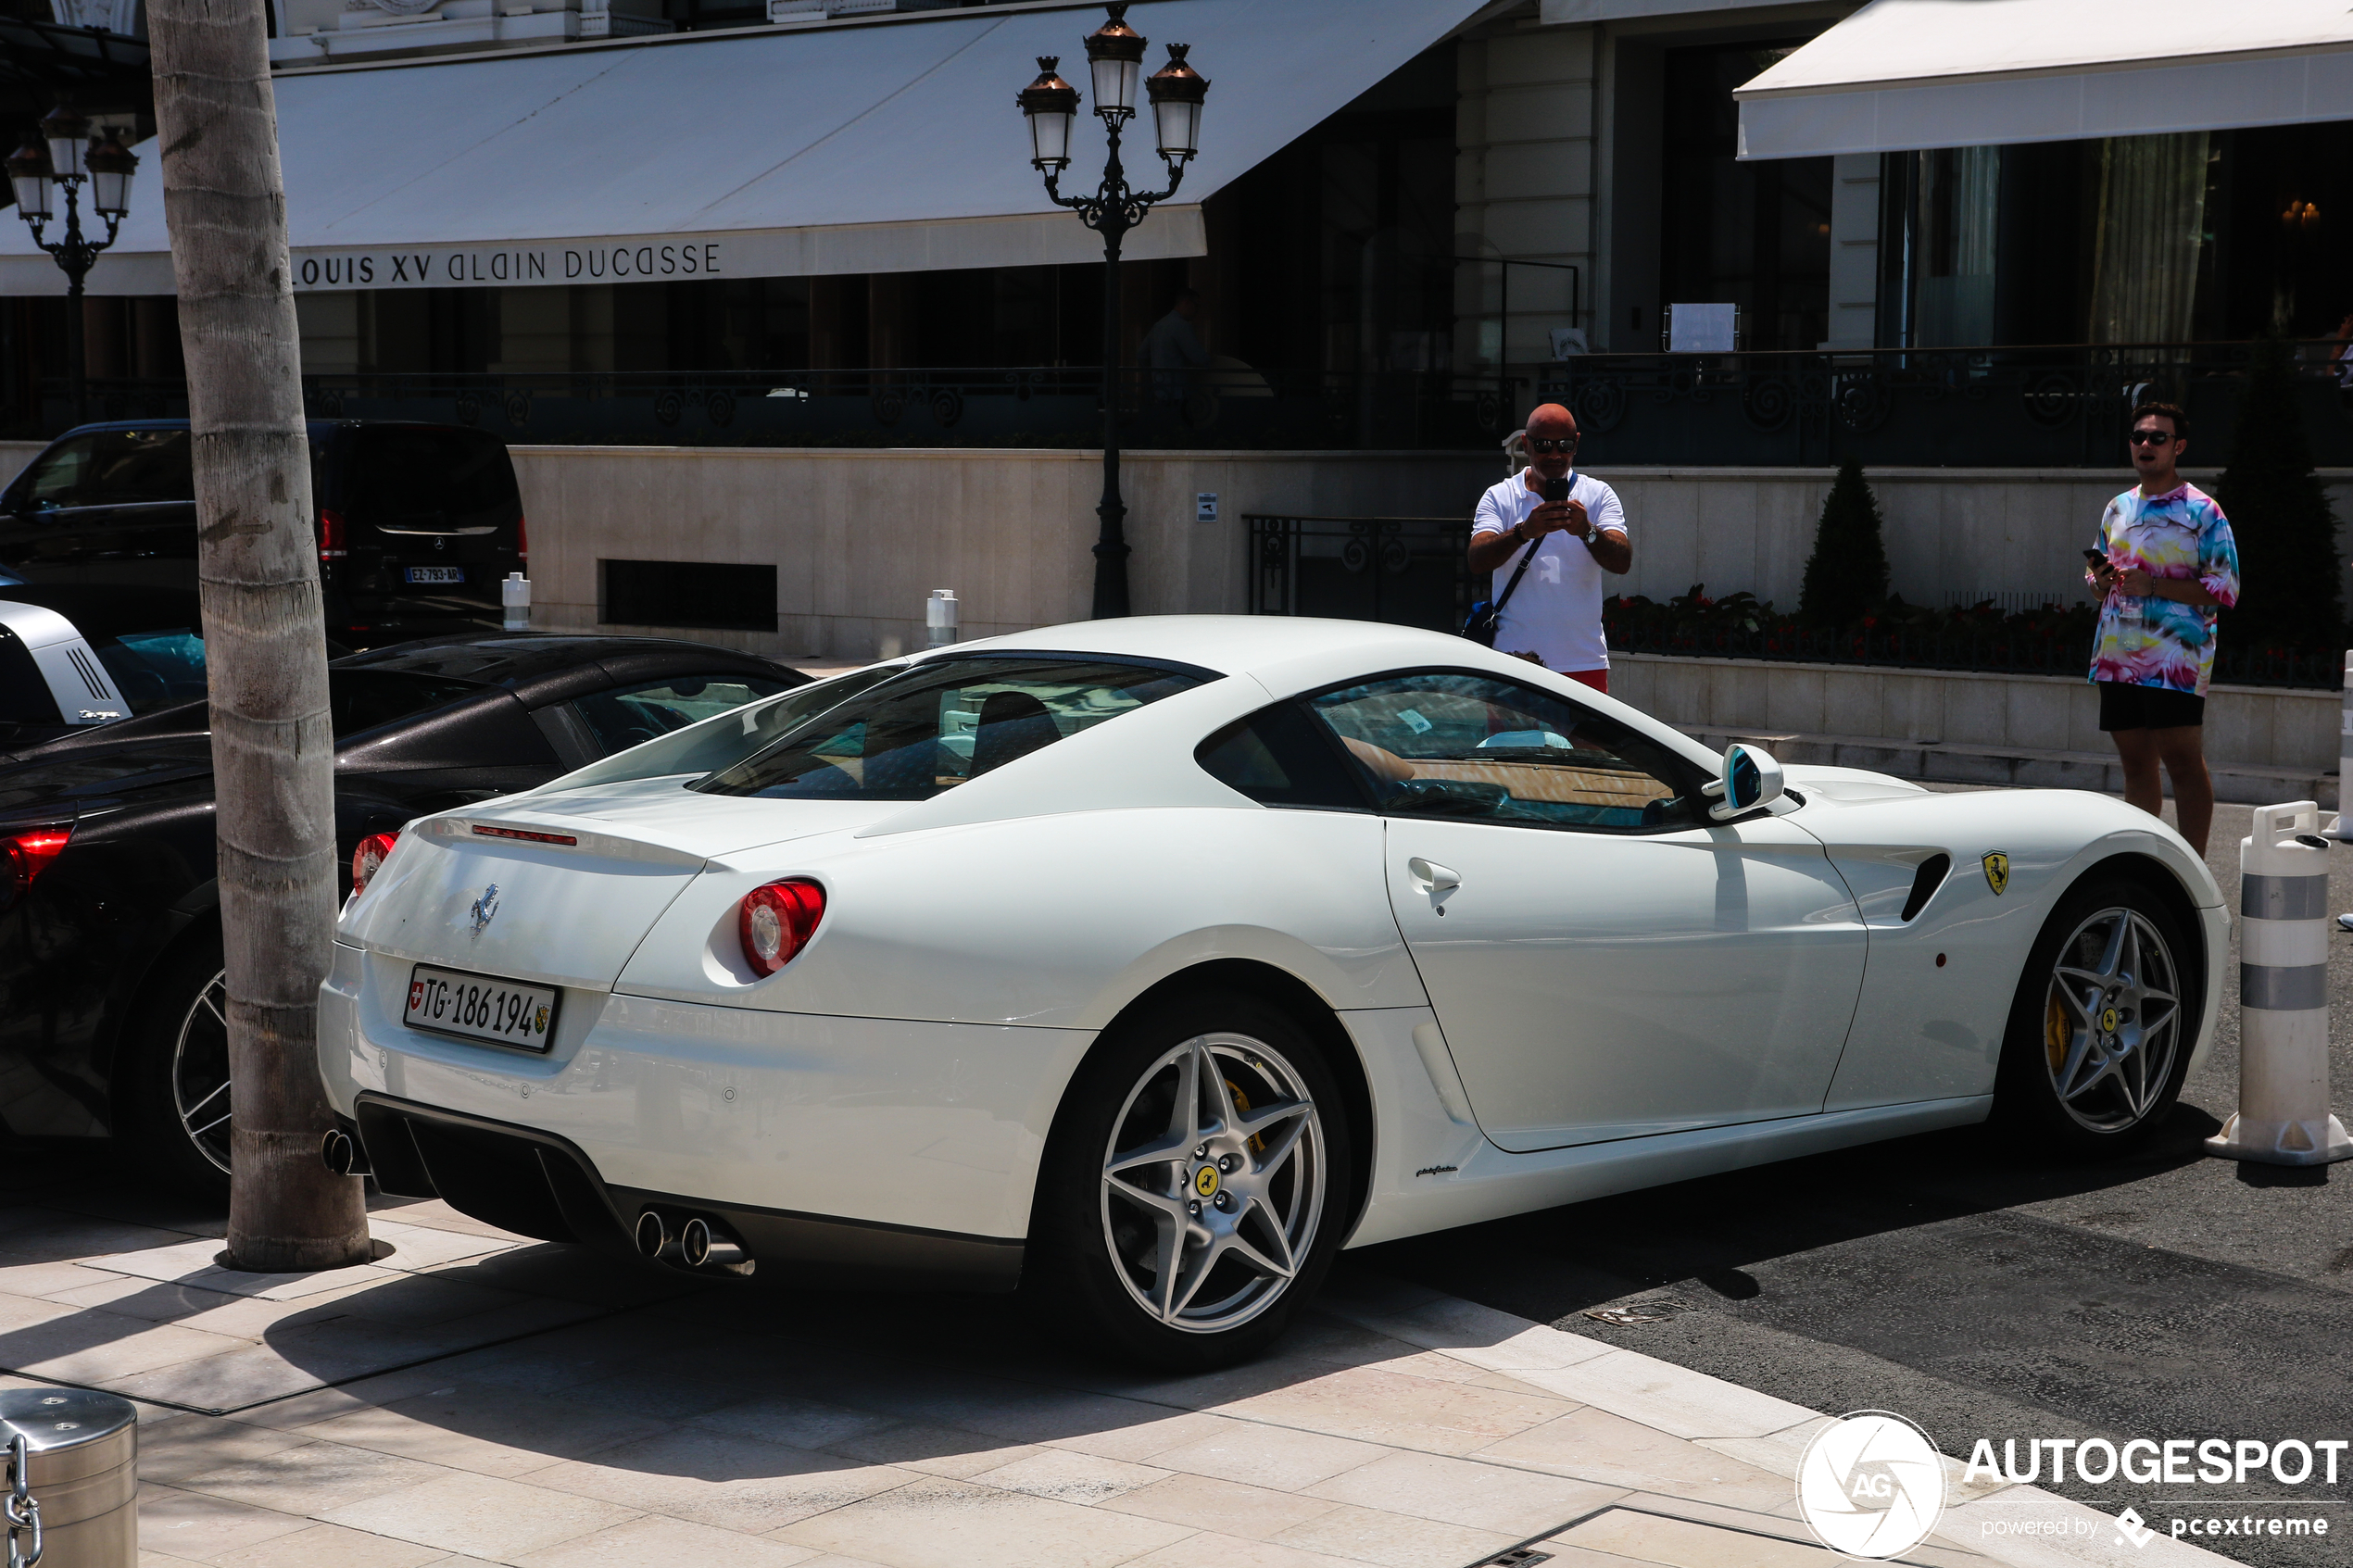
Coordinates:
584 263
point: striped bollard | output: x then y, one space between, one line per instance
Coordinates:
2345 751
2282 1117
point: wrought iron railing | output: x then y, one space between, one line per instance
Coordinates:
1964 407
1403 570
1231 409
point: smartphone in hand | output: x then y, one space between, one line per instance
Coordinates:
1557 489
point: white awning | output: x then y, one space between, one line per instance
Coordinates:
884 145
1903 74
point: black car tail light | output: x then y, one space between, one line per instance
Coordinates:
24 856
331 535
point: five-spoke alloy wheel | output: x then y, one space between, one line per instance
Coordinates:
1197 1183
2111 1020
1214 1181
2104 1015
172 1083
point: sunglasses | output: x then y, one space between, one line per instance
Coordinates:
1566 443
2152 438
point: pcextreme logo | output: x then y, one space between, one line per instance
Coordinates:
1872 1485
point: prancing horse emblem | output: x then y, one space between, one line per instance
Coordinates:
1997 872
486 907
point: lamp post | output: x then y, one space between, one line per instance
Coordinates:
1115 58
34 170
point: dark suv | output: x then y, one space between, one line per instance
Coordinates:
417 523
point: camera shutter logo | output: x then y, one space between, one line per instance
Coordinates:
1872 1485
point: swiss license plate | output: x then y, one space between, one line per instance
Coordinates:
506 1012
437 574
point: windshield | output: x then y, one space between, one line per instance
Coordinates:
719 742
423 475
112 468
940 723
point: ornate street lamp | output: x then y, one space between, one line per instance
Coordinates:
1114 59
55 157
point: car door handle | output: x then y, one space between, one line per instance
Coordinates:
1437 878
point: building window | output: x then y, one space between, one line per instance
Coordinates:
1752 234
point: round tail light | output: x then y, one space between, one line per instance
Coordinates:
777 921
367 856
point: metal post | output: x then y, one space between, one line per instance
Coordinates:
1111 538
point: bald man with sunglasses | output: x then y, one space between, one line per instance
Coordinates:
1554 618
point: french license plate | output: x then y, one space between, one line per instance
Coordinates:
504 1012
437 574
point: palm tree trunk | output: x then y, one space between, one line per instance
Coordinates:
265 647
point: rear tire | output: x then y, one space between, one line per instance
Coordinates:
1183 1213
172 1079
2103 1025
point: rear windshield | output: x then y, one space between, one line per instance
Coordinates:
427 475
718 743
941 723
111 468
361 699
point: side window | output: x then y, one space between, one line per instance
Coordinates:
1279 757
1451 744
630 715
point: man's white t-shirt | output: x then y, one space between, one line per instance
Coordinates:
1555 613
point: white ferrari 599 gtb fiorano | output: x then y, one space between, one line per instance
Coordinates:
1147 962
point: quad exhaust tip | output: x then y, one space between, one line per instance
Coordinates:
699 1246
342 1154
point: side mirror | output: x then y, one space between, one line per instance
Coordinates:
1751 778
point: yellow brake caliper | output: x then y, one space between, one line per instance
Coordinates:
2056 1033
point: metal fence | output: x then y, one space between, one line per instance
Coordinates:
1402 571
1961 408
1994 649
1237 410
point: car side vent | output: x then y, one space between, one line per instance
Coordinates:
1925 882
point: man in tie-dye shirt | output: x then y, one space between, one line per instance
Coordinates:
2164 562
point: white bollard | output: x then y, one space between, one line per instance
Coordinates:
516 594
2345 749
2282 1117
939 617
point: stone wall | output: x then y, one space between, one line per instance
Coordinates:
2264 743
859 538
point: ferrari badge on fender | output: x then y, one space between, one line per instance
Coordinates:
1997 872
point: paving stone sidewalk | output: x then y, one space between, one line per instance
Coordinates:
473 1397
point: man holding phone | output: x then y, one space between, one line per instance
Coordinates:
2165 562
1570 530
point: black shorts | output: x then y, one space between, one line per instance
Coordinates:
2148 707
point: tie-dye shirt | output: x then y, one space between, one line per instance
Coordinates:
2146 641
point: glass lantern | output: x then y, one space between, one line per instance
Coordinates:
64 130
111 165
28 173
1116 55
1178 91
1051 104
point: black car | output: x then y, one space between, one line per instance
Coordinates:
110 971
417 523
